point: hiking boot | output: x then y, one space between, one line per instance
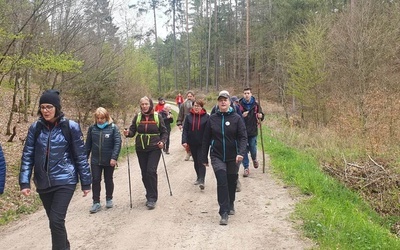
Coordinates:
167 151
109 203
201 185
95 208
238 186
255 164
224 219
232 209
246 172
151 205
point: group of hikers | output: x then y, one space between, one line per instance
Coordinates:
57 156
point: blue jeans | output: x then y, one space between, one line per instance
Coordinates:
252 148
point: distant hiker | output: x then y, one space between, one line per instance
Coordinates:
3 168
179 100
168 119
183 111
252 114
225 135
160 105
192 136
103 142
54 153
151 137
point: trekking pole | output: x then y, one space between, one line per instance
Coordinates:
166 173
129 172
259 123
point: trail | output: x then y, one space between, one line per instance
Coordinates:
188 219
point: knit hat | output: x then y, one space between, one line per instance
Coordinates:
52 97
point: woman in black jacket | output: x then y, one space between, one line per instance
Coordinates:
58 160
151 137
168 119
192 136
103 141
225 135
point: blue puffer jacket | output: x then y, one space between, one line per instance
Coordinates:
2 171
66 161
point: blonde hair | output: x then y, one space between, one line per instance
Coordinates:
102 112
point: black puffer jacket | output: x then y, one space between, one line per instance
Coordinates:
104 144
225 135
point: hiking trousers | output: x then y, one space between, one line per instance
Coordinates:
148 162
108 172
56 205
226 174
198 165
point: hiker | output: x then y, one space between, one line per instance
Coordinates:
252 114
3 168
160 105
192 136
152 135
183 111
168 119
103 142
225 135
179 100
54 153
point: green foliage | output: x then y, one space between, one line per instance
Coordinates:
333 216
51 61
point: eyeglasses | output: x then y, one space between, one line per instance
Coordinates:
47 107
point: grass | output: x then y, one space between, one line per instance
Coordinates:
332 215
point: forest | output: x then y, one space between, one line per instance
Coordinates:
333 65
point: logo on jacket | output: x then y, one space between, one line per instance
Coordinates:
107 135
227 123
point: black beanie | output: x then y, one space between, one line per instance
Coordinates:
52 97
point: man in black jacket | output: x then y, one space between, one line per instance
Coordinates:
226 133
252 114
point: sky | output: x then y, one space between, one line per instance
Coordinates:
125 17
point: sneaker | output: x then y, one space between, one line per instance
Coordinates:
232 210
224 219
255 164
95 208
246 172
238 186
197 182
201 185
167 151
151 205
109 203
187 157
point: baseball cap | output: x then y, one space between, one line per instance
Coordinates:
224 94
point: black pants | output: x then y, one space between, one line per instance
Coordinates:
226 174
56 205
198 165
148 162
108 181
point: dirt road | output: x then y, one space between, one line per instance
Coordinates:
186 220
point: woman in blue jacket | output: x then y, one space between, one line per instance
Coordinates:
103 141
57 157
2 171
